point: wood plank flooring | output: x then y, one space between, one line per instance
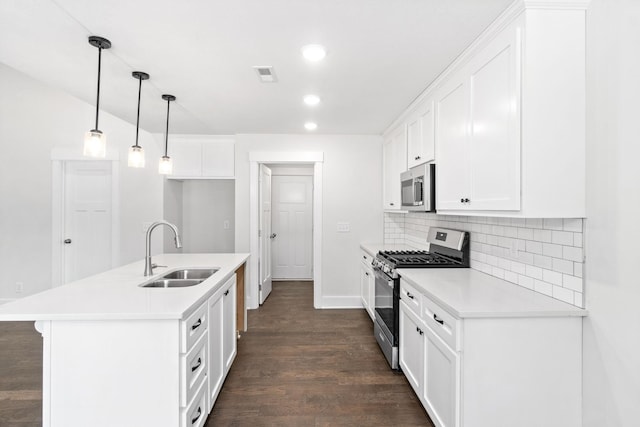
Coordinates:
296 366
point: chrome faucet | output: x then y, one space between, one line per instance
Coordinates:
148 266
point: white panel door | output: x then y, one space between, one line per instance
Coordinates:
453 155
394 162
441 390
411 347
87 219
292 227
495 125
264 263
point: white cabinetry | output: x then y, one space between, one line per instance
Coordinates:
394 162
421 135
367 284
511 117
202 157
490 371
222 336
479 132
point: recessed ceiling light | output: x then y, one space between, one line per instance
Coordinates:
314 52
310 126
311 100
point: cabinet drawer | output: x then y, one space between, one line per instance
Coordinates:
193 328
196 414
442 323
193 370
411 297
366 258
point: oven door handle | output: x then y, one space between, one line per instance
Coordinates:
380 275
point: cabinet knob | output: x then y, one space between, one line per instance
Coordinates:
391 204
417 158
226 293
467 200
409 295
461 200
67 241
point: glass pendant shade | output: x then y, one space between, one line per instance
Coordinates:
166 166
136 156
95 144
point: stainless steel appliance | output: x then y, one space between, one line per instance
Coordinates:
418 186
447 249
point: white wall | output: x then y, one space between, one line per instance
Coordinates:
612 329
352 172
34 118
206 205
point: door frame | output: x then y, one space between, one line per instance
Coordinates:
255 158
59 157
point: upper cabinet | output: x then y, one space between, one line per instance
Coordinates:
394 162
479 130
421 135
509 117
202 157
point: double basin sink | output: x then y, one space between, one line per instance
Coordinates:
181 278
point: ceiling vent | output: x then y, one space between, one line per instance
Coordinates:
266 73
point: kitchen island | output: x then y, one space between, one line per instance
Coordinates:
116 353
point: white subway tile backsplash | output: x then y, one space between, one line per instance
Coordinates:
534 247
552 223
552 250
542 261
562 238
572 253
545 255
542 235
563 294
572 224
552 277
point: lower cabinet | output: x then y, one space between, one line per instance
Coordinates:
222 337
491 371
367 284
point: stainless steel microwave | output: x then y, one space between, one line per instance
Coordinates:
418 188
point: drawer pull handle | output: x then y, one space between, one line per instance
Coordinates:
197 365
193 420
418 330
409 295
226 293
366 273
364 256
437 319
196 325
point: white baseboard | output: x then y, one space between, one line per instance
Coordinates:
341 302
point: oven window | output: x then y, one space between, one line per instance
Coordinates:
384 304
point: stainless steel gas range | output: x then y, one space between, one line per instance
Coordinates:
447 249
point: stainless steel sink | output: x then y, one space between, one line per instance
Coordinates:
172 283
191 273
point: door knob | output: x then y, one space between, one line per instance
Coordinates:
67 241
273 236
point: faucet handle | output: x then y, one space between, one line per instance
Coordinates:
156 265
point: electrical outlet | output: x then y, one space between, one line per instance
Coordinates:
19 287
343 227
225 224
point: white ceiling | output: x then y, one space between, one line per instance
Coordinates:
381 55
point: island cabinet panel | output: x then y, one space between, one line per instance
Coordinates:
222 336
111 373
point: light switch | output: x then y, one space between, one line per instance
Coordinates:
343 227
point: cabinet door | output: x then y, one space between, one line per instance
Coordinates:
421 136
218 159
494 140
229 334
216 358
366 288
452 172
411 348
187 158
441 390
394 162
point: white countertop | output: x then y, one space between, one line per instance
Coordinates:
116 294
465 292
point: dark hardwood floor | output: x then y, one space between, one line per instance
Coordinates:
296 366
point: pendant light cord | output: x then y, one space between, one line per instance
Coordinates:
98 95
138 119
166 135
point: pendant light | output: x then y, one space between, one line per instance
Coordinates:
136 152
166 165
95 142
